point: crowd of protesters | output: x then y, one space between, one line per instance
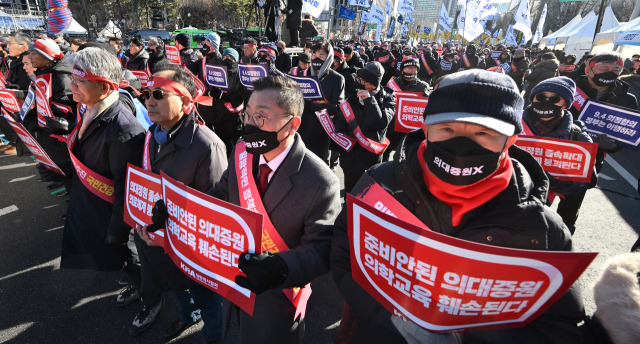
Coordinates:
99 116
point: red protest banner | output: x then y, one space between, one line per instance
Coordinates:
205 237
32 144
9 100
445 284
143 190
409 112
565 160
173 54
142 75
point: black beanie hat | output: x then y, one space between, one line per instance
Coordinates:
184 39
409 61
479 97
372 73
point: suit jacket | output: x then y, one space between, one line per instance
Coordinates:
302 200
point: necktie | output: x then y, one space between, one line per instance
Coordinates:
263 178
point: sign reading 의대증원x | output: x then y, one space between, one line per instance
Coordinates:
565 160
409 113
173 54
143 190
216 76
205 237
618 123
309 86
250 72
445 284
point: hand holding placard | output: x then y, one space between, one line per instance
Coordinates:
264 271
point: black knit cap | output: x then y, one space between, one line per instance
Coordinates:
479 97
372 73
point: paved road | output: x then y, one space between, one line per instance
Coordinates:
39 303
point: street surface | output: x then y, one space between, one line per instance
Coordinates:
39 303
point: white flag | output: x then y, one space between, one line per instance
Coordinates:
376 14
389 8
444 19
538 36
511 37
314 8
470 18
523 20
363 3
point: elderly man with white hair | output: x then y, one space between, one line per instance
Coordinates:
106 138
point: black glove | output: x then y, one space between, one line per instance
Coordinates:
214 92
264 271
57 125
113 241
12 87
158 216
605 143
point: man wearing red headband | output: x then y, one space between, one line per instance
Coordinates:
56 105
194 155
250 51
601 83
107 138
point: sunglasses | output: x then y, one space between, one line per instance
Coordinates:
157 94
553 99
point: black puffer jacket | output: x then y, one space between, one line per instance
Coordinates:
190 59
138 61
515 218
17 74
155 58
543 70
356 60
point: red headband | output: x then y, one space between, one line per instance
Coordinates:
595 63
249 45
268 50
40 46
169 86
95 78
338 54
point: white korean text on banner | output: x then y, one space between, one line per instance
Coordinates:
144 188
205 237
445 284
250 72
565 160
618 123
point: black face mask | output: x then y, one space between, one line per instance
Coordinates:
604 79
460 160
545 109
409 76
231 65
280 50
316 63
359 86
258 141
471 52
265 62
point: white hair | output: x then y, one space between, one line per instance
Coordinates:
97 62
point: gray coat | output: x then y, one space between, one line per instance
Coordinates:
302 201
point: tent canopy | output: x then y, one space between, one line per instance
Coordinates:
75 29
605 40
579 39
550 39
110 30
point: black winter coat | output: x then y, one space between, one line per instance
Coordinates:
518 68
112 140
349 75
356 60
515 218
618 94
189 58
138 61
540 71
17 75
155 58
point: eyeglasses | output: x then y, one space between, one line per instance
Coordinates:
258 119
157 94
553 99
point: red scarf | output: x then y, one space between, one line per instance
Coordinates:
464 198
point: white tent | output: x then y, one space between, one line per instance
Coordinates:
550 39
560 39
605 40
110 30
580 39
75 29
